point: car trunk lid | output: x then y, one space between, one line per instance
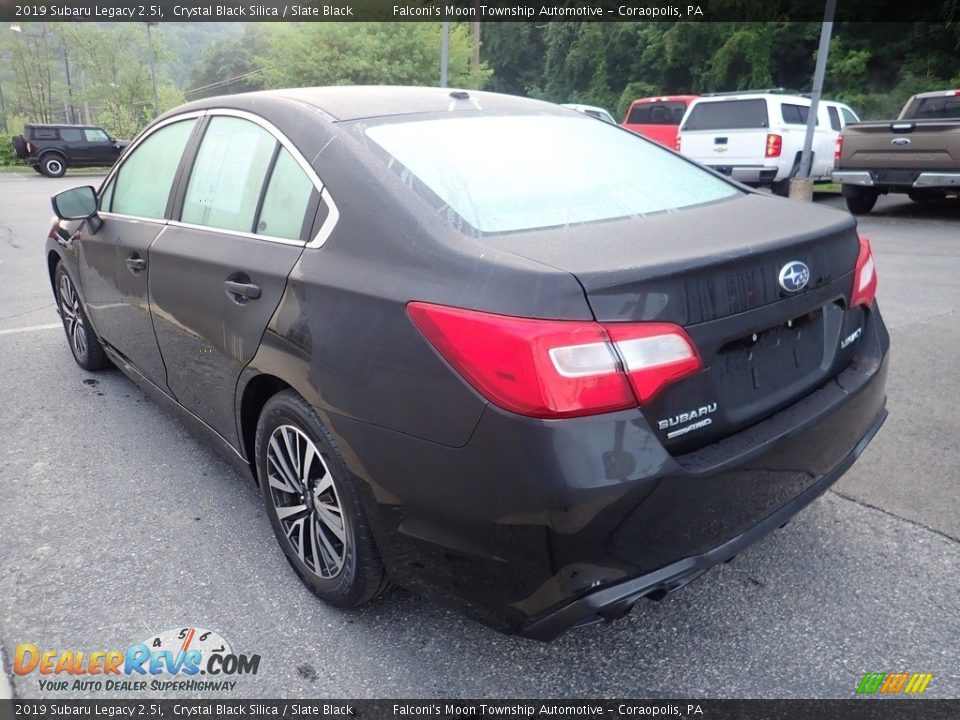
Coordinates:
715 270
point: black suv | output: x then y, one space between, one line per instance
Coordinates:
51 149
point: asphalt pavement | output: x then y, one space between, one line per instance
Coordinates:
116 523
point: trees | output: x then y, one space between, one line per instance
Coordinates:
373 53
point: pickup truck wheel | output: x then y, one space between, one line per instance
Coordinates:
860 201
53 165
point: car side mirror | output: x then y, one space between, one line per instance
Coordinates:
78 203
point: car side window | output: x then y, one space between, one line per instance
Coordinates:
106 198
44 134
834 118
70 135
142 185
848 116
94 135
286 200
228 175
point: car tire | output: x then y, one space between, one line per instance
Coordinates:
20 147
860 201
314 506
84 344
53 165
36 169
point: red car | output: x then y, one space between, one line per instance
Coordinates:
658 117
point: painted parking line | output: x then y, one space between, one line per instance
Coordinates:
30 328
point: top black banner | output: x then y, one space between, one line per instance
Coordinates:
14 11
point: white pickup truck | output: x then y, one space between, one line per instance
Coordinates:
757 137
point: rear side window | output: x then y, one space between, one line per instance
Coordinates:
665 113
796 114
728 115
834 117
934 108
848 116
228 175
504 174
286 200
143 182
70 135
44 133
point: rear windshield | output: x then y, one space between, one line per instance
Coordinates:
934 108
728 115
663 113
519 172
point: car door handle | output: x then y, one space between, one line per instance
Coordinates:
136 264
251 291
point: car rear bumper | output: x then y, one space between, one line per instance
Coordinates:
535 526
617 600
906 179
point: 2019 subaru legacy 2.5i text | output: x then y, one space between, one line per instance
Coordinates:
457 356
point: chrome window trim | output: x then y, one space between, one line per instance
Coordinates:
135 218
237 233
323 233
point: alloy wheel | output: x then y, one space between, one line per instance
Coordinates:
72 316
305 499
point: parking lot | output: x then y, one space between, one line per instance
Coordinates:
116 523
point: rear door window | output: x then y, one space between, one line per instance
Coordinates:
70 135
848 116
228 175
728 115
144 180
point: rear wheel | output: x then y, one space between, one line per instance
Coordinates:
36 169
314 506
86 348
860 201
53 165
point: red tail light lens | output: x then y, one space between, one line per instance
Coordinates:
557 368
865 277
838 148
774 145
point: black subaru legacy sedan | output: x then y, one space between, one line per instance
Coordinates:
482 347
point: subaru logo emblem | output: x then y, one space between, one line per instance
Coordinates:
794 276
900 141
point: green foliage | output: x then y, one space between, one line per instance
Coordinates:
7 157
229 65
374 53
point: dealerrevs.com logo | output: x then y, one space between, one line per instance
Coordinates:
186 659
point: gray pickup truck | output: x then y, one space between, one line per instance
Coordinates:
918 153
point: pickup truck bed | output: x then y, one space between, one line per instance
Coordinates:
918 153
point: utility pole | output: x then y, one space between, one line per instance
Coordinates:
444 50
72 119
153 70
826 30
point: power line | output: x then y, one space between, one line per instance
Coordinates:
221 83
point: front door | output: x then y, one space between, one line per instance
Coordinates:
114 266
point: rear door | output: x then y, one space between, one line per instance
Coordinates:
726 132
218 271
99 148
76 145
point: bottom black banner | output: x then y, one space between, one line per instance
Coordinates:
872 709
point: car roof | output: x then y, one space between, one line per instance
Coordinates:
665 98
57 126
353 102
